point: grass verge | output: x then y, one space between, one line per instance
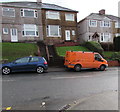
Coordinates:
62 50
11 51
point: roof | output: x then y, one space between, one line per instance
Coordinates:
99 16
37 6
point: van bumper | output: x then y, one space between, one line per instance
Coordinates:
106 65
69 66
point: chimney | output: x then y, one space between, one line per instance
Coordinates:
39 1
102 12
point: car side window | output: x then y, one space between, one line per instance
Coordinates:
22 60
34 59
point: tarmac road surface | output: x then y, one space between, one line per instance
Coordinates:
59 89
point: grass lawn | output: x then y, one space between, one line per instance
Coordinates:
62 50
11 51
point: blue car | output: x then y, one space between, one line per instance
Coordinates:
38 64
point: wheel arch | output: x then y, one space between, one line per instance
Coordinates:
102 65
78 64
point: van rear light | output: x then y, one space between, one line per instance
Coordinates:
45 62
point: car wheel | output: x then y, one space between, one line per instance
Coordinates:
77 68
6 71
40 70
102 67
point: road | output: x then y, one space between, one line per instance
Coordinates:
59 88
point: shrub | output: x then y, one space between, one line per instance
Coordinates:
94 46
115 56
107 46
117 43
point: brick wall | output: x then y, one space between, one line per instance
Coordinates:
113 63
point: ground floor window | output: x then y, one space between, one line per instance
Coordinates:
73 32
105 37
53 31
30 30
5 30
117 34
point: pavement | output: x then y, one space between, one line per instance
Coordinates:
55 69
104 101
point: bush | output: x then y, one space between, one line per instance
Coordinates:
94 46
117 43
107 46
115 56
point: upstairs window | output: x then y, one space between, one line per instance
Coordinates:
29 13
53 31
30 30
69 17
52 15
117 24
105 23
10 12
92 23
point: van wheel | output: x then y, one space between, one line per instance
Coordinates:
77 68
102 68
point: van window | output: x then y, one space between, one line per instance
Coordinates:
98 57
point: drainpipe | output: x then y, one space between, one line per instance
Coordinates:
47 52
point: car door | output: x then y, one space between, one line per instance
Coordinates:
21 64
34 61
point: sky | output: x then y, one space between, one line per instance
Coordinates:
84 7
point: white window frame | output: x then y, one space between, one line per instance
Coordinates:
117 34
117 24
22 13
68 18
92 23
6 8
104 35
35 27
48 30
105 24
52 15
5 32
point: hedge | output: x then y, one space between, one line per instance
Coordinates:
117 43
94 46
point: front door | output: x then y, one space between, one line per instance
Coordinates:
67 34
14 36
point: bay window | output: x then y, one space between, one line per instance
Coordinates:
53 31
30 30
105 37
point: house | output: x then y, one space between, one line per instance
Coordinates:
35 21
99 27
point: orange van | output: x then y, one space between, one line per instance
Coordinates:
81 59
